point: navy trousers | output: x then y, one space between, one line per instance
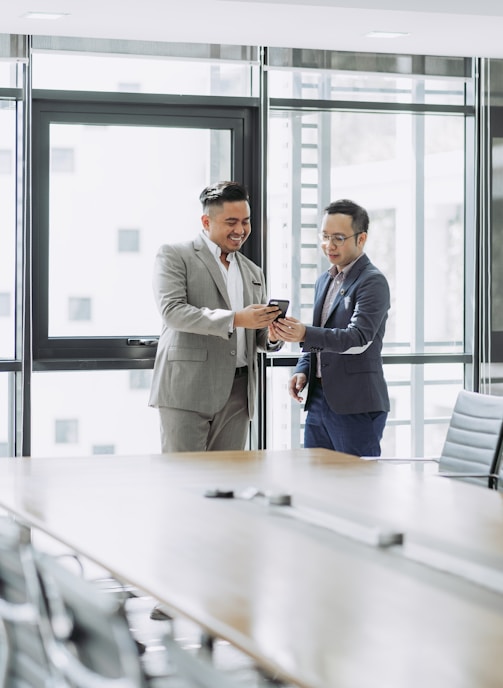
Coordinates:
352 433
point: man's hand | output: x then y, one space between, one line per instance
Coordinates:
296 385
289 330
256 316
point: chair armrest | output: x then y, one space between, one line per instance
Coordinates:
468 474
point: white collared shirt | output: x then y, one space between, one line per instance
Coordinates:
234 283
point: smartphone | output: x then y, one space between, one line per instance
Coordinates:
280 303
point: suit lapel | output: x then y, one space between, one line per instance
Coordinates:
348 282
203 252
318 306
247 277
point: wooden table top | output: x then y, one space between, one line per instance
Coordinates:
320 609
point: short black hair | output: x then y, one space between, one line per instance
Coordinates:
360 217
220 192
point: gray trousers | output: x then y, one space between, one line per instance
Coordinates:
189 431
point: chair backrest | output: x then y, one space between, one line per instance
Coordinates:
498 483
23 658
474 438
91 643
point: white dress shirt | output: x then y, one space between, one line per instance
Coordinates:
234 283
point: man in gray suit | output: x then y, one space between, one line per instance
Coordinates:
214 319
347 400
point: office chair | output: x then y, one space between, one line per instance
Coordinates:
59 630
23 656
498 483
473 444
89 641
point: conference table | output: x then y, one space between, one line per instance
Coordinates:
327 570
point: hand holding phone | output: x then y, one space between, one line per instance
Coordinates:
280 303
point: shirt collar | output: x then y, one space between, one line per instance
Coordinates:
345 271
215 249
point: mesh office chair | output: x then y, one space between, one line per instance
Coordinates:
59 630
473 444
24 661
90 642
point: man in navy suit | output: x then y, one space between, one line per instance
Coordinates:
347 399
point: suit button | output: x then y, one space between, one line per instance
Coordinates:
233 353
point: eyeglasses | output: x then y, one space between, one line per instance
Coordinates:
336 239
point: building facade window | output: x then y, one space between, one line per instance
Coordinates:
128 240
62 160
66 431
5 305
6 161
79 308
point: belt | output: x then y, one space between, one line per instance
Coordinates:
241 371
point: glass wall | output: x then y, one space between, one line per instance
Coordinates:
101 412
114 178
408 169
136 67
6 422
12 217
8 167
118 167
144 182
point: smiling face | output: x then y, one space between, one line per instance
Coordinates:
228 225
341 225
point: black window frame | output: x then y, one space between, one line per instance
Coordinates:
238 115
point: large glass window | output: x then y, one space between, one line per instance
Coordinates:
71 417
150 177
5 414
407 168
114 184
418 421
7 227
120 154
189 70
415 199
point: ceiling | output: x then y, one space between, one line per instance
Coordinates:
435 27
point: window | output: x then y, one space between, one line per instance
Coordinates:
6 161
5 305
10 210
6 380
67 431
140 379
406 165
79 309
192 69
90 409
103 449
129 240
129 87
135 162
95 235
62 160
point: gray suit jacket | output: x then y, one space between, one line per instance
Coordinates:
196 356
350 343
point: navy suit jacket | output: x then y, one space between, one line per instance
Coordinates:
350 342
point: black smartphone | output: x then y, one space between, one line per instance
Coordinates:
280 303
